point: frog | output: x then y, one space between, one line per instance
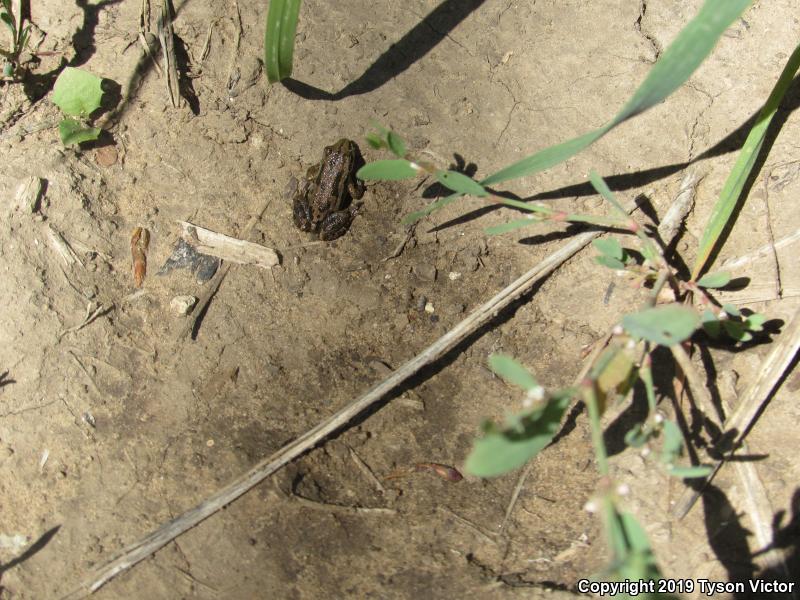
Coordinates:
322 202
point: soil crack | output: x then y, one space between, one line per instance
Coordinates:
654 43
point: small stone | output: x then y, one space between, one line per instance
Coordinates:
454 275
181 305
429 307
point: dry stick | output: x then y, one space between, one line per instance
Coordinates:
216 281
169 531
740 421
166 36
753 399
698 390
667 230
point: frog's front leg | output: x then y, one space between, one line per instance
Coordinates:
356 187
337 223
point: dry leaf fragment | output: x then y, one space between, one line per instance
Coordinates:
140 240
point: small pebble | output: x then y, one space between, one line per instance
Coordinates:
453 275
181 305
429 307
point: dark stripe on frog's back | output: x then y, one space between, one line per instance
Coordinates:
326 185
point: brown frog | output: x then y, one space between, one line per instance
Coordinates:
321 200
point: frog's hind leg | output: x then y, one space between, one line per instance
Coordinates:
336 224
301 215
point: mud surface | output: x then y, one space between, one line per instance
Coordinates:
110 429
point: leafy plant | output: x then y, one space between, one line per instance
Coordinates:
279 38
692 45
78 94
672 313
11 15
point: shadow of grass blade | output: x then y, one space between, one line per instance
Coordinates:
732 190
279 38
692 45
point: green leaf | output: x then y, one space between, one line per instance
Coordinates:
633 558
732 190
537 208
78 93
544 159
609 247
673 441
710 323
690 47
755 322
511 225
396 144
602 188
73 132
387 170
636 436
611 263
458 182
731 310
690 472
665 325
279 38
433 206
500 451
715 280
375 141
737 330
513 372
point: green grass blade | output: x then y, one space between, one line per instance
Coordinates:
544 159
692 45
732 189
279 38
510 226
440 203
513 372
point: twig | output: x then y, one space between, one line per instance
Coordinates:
366 471
205 298
679 208
86 372
228 248
770 373
485 535
763 251
328 507
740 421
166 36
62 247
90 316
233 72
263 469
699 392
402 245
776 265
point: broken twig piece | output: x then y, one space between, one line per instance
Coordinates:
228 248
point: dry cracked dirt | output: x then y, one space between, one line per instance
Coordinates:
110 428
